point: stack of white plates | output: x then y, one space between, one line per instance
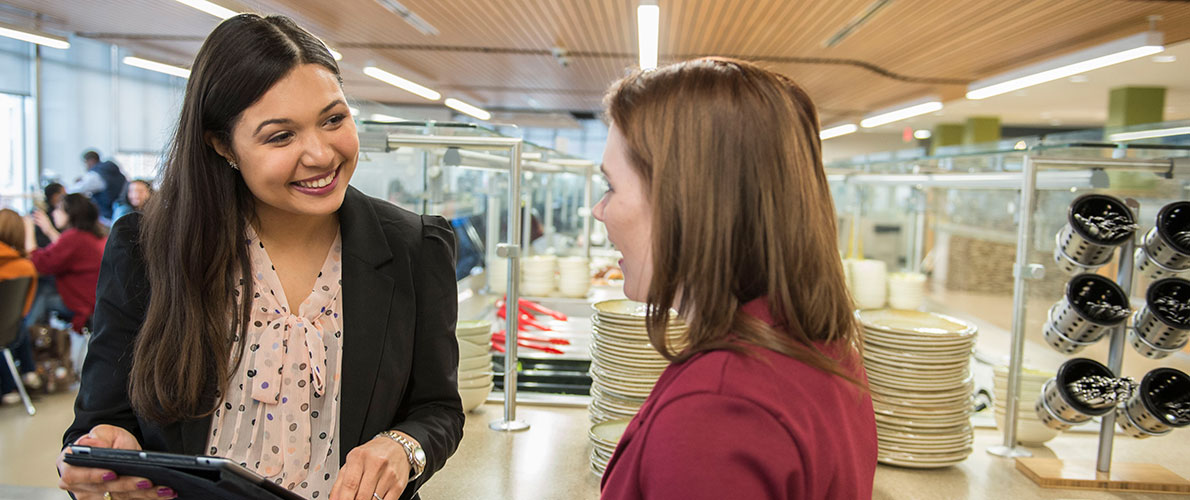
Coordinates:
869 283
920 378
497 272
604 438
906 290
574 276
475 362
1029 429
537 275
624 365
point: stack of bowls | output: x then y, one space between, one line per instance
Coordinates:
869 283
574 276
604 438
918 367
475 362
624 365
906 290
537 275
1030 430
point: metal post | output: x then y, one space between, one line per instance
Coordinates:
1115 355
512 313
1019 290
919 230
589 185
548 222
493 222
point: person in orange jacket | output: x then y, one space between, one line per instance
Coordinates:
15 264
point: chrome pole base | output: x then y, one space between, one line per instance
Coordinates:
1009 451
508 425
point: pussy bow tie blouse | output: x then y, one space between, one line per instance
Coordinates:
280 414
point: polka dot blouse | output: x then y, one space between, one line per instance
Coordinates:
280 414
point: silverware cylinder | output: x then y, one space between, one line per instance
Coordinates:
1081 245
1091 306
1166 248
1161 404
1057 407
1162 326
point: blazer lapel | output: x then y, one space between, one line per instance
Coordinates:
367 297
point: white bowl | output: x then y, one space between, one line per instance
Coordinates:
484 379
473 398
468 349
1029 431
483 361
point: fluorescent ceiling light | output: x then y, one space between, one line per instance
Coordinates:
1124 49
648 21
401 83
218 11
335 54
922 134
930 105
39 38
834 132
413 19
1148 134
156 66
467 109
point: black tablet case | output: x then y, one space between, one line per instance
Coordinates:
197 482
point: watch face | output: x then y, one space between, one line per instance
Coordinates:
419 455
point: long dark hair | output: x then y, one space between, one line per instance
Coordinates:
750 146
82 214
192 236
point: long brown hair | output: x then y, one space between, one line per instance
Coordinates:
192 236
741 209
12 230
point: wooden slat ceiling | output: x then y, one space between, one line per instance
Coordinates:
497 53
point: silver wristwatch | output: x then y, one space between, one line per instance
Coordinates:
416 455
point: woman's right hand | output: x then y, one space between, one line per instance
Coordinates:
90 484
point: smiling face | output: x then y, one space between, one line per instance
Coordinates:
297 147
628 215
138 194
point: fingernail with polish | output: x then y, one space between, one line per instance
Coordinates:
144 485
165 492
109 476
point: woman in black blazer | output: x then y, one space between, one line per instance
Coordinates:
241 164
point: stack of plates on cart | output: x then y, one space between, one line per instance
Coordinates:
475 362
624 366
920 378
574 276
538 275
604 437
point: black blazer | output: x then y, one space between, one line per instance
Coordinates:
400 356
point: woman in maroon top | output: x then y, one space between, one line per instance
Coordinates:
719 202
74 256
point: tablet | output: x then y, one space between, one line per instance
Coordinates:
191 477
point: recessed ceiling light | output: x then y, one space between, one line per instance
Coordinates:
1079 79
1165 58
922 134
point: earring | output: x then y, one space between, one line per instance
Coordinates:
233 164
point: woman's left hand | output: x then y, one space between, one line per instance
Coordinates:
377 469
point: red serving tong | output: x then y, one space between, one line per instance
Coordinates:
550 340
535 307
528 345
525 320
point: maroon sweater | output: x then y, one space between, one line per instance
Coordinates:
73 260
727 425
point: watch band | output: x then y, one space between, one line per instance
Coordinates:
415 454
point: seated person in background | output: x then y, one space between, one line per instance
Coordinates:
49 217
73 259
139 192
13 264
719 202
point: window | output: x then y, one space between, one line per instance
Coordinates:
17 184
